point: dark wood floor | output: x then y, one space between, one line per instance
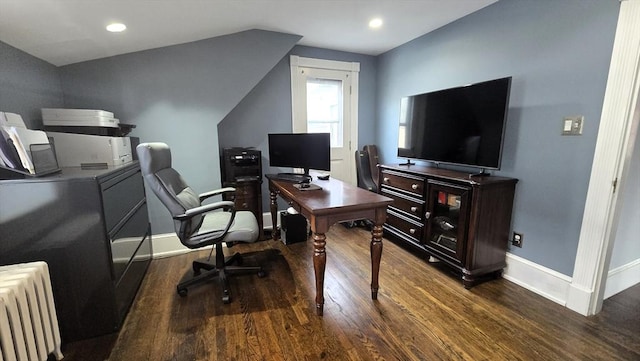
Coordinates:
422 313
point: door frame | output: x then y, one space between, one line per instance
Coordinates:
354 69
611 161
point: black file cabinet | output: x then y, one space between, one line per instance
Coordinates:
92 229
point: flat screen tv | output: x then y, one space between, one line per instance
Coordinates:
300 150
460 126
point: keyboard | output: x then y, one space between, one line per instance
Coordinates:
290 177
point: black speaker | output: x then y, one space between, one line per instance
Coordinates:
294 228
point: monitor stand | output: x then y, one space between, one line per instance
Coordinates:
482 173
299 177
408 163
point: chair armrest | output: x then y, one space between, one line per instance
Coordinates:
209 237
190 213
216 192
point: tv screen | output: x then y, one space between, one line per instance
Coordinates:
462 125
300 150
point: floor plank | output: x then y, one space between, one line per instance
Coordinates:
422 313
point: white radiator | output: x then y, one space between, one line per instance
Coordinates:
28 322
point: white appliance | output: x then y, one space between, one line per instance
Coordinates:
78 118
83 150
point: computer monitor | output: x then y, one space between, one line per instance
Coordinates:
300 150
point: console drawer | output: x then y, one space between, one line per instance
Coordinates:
246 205
404 182
245 190
410 228
245 197
409 205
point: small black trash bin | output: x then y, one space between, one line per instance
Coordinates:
294 228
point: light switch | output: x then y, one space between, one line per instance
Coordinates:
572 125
568 124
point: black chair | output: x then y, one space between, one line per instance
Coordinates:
199 225
367 168
374 162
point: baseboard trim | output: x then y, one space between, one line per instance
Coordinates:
559 288
621 278
267 223
167 245
579 299
538 279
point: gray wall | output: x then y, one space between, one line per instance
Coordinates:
558 53
178 95
27 84
267 108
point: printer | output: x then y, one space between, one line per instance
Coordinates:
90 151
78 118
88 147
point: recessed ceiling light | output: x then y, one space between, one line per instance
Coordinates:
375 23
116 27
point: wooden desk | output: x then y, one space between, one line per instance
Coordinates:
335 202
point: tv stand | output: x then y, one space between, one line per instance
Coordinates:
408 163
442 213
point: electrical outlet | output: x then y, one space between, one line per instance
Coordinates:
517 239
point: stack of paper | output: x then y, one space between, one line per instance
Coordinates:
16 141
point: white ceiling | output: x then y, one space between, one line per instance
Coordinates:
63 32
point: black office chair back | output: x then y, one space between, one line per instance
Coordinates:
374 161
167 184
363 172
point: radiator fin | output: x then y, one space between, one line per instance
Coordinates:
28 322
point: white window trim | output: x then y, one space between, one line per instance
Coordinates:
352 67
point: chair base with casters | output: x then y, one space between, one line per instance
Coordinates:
212 270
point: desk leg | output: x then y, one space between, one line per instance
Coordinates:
319 264
274 214
376 255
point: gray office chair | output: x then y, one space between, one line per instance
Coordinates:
199 225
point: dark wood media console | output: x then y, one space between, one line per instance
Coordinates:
462 221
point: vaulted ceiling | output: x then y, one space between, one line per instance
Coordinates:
63 32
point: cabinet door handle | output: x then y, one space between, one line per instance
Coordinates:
385 179
427 215
414 186
414 209
412 231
